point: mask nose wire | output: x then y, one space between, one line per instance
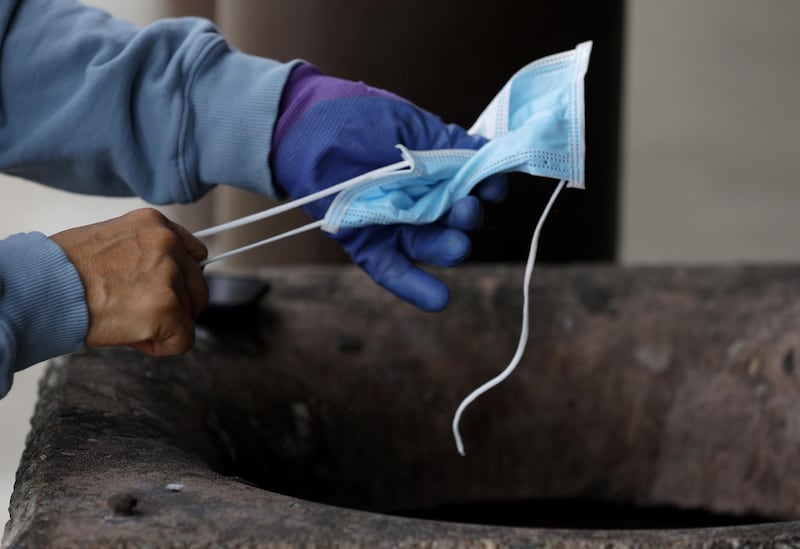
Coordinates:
271 212
523 338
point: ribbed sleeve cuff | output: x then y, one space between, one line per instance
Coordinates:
8 350
235 101
42 303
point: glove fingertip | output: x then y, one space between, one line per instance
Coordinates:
420 289
494 189
466 214
435 299
455 247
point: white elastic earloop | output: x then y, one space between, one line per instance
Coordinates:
271 212
523 338
237 251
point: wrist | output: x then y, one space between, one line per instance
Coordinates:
296 98
319 107
307 86
43 299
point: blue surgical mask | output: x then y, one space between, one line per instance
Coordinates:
535 125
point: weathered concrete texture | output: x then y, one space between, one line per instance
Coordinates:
651 386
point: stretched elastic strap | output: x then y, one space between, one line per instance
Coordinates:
271 212
523 337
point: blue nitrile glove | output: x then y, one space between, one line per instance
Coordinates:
330 130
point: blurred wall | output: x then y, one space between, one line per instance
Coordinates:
712 131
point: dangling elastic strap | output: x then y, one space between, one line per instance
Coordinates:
271 212
523 338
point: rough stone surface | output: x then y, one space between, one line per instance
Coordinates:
318 420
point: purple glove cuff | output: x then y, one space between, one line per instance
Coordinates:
307 86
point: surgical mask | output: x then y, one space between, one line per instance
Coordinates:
535 125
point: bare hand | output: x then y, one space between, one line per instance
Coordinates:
144 286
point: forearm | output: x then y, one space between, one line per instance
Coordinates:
92 104
42 304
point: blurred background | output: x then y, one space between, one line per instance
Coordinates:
692 129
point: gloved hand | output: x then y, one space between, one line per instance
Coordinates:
330 130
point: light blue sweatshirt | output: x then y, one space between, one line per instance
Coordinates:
91 104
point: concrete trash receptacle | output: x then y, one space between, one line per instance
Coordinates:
324 419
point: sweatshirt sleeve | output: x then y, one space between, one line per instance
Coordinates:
92 104
42 304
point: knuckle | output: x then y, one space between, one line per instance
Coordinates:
169 327
164 239
171 305
168 273
147 215
159 306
